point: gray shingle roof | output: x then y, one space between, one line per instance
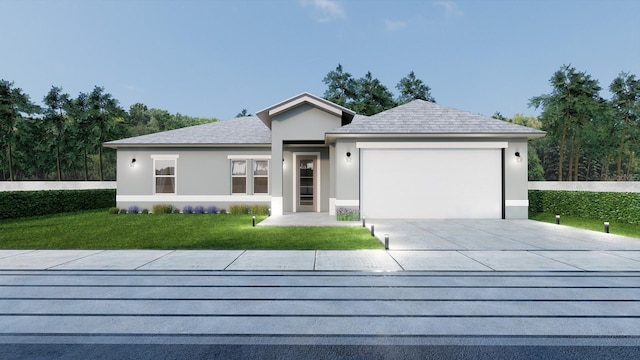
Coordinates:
423 117
244 130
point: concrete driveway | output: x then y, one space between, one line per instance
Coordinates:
504 245
488 235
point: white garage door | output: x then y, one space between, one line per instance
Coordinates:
431 183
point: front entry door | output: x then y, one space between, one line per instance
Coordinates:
307 184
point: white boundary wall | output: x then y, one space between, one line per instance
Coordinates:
55 185
596 186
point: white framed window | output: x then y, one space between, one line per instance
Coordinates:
260 176
165 174
238 176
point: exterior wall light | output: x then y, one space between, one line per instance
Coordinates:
518 157
348 156
133 162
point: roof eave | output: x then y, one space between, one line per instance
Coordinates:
177 145
331 136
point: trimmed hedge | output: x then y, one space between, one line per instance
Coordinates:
16 204
609 206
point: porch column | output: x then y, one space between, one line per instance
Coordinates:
332 179
276 178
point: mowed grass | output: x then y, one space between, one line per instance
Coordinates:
618 228
101 230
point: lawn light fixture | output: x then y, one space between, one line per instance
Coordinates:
373 230
557 219
253 221
364 223
386 241
518 157
133 162
606 227
348 156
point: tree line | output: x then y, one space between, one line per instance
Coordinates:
588 136
62 140
367 95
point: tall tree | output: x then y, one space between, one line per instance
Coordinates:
341 87
138 120
412 88
626 109
55 116
105 115
79 112
573 102
243 113
372 96
14 105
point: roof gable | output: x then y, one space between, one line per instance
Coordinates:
424 117
267 114
248 130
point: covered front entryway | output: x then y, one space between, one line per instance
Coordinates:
432 183
306 183
306 172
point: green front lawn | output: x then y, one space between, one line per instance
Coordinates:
101 230
590 224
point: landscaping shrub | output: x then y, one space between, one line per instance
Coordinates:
145 211
198 210
161 209
222 211
609 206
16 204
345 214
176 211
187 210
260 209
535 201
133 209
114 210
212 210
239 209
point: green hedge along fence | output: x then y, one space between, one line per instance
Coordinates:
16 204
609 206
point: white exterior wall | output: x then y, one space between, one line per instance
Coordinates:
515 180
203 177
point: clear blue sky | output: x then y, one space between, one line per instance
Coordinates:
214 58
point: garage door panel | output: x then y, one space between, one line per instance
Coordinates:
431 183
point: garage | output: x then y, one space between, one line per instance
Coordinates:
435 181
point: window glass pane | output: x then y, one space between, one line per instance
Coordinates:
165 185
261 167
239 185
165 167
261 185
238 167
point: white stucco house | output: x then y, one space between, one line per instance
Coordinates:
417 160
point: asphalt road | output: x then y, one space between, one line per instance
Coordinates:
319 315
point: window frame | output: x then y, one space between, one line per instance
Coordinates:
250 160
165 157
245 176
266 176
